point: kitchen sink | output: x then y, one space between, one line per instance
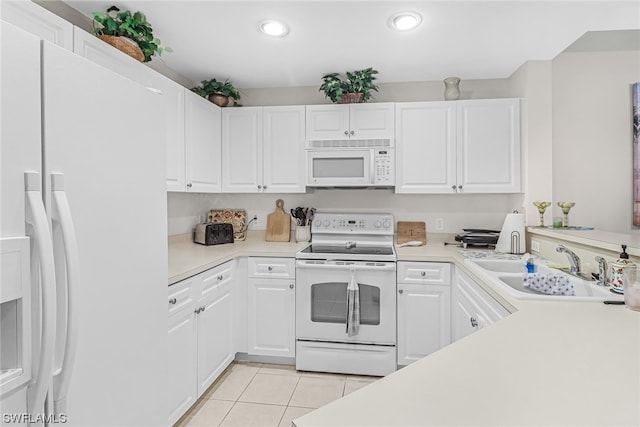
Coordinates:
509 275
582 288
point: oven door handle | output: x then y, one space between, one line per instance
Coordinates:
357 267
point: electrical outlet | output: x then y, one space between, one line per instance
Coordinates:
260 222
535 246
439 224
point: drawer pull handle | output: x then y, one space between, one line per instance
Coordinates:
400 291
270 268
220 277
474 322
291 286
197 311
173 300
202 308
422 273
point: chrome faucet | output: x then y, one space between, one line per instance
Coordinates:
574 260
603 280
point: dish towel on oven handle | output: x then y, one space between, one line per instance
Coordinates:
353 305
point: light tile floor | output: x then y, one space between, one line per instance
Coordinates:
264 395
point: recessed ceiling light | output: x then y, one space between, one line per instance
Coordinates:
273 28
405 21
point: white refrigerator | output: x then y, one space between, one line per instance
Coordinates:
84 242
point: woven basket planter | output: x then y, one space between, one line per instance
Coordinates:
219 99
125 45
352 98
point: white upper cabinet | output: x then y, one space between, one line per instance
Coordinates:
95 50
489 146
458 146
263 149
203 144
425 147
242 150
283 138
38 21
350 121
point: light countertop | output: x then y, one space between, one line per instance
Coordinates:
548 363
187 259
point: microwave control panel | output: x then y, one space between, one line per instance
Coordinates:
383 167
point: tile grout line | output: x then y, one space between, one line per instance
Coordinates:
236 401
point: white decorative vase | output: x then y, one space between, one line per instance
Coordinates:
452 88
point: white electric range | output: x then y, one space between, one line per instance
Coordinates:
346 295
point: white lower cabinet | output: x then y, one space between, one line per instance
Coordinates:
200 335
424 309
473 307
271 306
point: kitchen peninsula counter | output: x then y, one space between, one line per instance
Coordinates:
548 363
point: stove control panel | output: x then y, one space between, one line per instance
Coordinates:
357 223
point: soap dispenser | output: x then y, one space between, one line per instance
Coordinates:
620 270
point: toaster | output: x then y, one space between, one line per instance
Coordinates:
213 234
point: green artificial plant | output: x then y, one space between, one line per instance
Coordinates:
359 81
121 23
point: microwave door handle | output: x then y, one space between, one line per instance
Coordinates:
372 167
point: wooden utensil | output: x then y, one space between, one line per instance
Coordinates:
278 224
411 230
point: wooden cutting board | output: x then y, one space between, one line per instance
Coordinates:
412 230
278 224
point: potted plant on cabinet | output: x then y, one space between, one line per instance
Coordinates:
217 92
355 88
129 33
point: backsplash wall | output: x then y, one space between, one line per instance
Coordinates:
458 211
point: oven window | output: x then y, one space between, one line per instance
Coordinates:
338 167
329 303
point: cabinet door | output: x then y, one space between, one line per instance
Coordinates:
203 144
475 308
95 50
424 326
425 147
372 121
489 146
327 122
38 21
464 316
182 359
214 335
173 103
242 150
284 162
272 317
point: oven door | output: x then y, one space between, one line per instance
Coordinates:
339 168
321 301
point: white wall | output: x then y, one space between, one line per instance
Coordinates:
459 211
388 92
592 148
532 82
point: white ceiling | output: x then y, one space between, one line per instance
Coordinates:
469 39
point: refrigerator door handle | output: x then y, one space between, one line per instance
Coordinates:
62 214
37 217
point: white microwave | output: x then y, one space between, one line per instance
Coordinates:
351 167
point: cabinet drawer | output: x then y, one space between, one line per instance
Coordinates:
272 267
217 277
437 273
180 295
